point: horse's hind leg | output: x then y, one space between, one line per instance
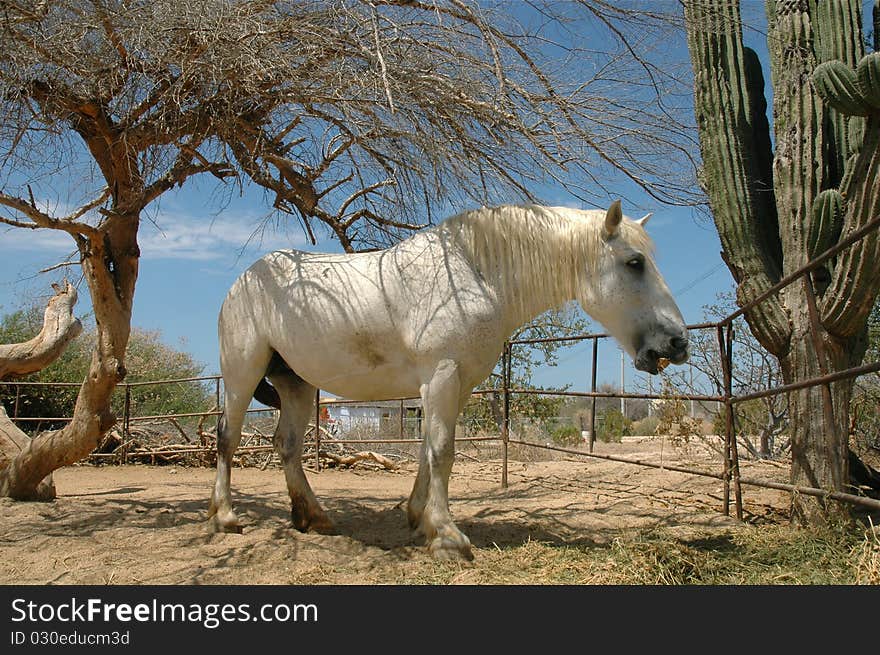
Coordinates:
297 405
243 368
222 516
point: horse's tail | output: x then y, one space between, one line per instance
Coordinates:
265 393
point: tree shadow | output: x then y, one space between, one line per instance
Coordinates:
107 492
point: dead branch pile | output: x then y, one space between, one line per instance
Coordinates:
156 444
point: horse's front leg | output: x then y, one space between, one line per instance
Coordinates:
428 507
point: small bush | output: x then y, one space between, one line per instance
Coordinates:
645 427
612 425
566 435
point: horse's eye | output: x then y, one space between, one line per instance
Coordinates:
636 263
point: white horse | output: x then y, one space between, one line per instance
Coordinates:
428 317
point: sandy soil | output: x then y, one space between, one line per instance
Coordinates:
146 525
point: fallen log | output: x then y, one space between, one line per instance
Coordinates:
366 455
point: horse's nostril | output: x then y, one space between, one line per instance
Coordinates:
679 343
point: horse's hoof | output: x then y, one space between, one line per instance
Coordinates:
318 524
228 524
322 525
445 548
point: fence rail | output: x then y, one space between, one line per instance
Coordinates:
729 475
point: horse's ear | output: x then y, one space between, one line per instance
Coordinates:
644 219
612 218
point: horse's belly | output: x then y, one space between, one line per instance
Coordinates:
362 369
380 382
378 385
359 366
371 352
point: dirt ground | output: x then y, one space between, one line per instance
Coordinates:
146 524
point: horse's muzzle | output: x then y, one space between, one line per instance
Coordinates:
648 359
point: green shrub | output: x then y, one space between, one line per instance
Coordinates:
565 435
612 425
645 427
147 359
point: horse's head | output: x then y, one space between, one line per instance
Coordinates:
627 295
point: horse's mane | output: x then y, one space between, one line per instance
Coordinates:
543 251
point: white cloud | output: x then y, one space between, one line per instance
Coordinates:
168 236
183 237
18 239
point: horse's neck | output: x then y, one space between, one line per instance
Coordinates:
523 303
537 265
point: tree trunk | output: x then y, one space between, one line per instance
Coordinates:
494 399
764 450
12 442
110 266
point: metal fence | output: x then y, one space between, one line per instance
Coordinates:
729 474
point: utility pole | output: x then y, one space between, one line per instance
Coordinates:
692 390
622 385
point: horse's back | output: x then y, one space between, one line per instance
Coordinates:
362 325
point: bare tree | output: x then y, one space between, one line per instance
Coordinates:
348 113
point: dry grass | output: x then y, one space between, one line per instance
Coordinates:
867 558
766 555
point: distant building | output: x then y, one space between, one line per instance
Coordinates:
376 416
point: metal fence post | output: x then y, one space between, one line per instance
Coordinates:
734 450
728 416
593 390
126 418
318 430
505 411
401 430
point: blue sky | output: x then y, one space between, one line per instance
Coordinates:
194 245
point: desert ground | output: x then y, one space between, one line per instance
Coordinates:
140 524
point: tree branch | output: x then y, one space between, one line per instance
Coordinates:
43 220
60 326
182 169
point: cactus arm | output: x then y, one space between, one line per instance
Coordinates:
838 29
826 222
838 85
855 280
868 79
849 83
736 152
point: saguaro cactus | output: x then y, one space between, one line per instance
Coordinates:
823 183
